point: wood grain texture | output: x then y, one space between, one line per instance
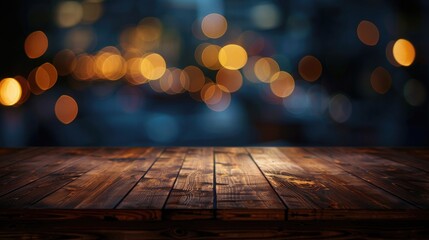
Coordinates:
365 195
193 190
104 186
58 215
152 191
306 179
31 193
7 151
293 184
118 184
28 170
401 180
413 159
242 191
19 154
421 153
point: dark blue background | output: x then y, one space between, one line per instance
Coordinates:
115 113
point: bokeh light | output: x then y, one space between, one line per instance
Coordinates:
129 39
232 56
114 67
134 75
85 66
404 52
156 85
214 97
91 11
69 13
268 72
368 33
282 84
249 69
222 104
36 44
214 25
265 68
149 29
210 93
266 16
66 109
209 56
170 82
192 78
340 108
46 76
144 37
80 39
10 91
198 53
381 80
153 66
229 80
109 64
310 68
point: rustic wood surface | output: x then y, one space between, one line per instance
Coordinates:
215 184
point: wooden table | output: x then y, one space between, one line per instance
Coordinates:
221 192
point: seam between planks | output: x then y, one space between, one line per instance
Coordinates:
214 185
43 176
174 183
49 149
277 194
65 184
78 159
400 162
135 184
371 183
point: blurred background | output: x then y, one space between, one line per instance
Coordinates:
196 72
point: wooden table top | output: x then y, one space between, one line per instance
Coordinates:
224 183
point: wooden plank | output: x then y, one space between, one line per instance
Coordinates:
193 190
6 151
236 150
78 215
406 182
422 153
410 158
104 186
371 197
28 170
178 184
287 178
152 191
31 193
314 189
21 154
242 192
